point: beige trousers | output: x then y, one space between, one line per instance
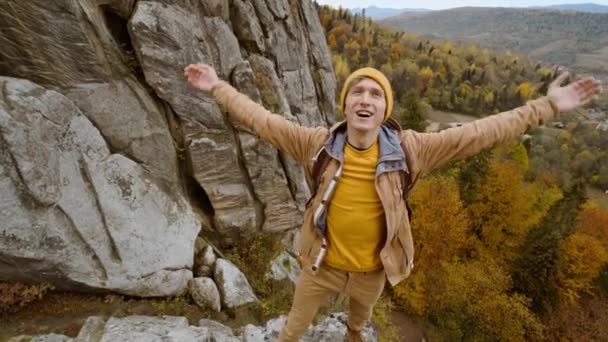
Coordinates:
363 288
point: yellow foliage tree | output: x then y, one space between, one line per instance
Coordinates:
397 52
519 155
470 301
440 220
526 90
440 225
582 260
593 221
424 79
504 210
341 69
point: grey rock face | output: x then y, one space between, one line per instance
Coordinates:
205 293
97 201
234 287
331 329
212 145
76 215
142 136
176 329
141 329
249 185
247 27
167 328
215 326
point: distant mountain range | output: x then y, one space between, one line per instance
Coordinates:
573 39
379 13
588 7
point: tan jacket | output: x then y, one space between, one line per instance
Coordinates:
425 151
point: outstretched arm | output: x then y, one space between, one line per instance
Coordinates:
293 139
434 149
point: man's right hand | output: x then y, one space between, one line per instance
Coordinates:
201 76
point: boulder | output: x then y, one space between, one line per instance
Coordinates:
211 324
284 266
205 262
205 294
78 216
166 328
234 288
92 329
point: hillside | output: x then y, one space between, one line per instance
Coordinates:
573 39
588 7
378 13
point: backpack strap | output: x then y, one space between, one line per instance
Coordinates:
319 164
406 182
406 176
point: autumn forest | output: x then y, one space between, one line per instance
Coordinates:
511 244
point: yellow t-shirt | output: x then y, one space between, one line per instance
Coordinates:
355 217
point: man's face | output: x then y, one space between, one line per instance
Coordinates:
365 105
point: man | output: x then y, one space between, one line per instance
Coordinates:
356 231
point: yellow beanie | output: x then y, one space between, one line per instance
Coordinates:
375 75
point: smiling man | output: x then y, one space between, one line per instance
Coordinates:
356 232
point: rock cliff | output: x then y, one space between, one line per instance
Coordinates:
110 165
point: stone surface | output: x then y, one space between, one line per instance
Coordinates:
205 294
96 190
215 326
91 330
204 262
233 285
285 267
166 328
247 27
252 333
199 245
142 136
212 145
330 329
249 185
78 216
176 329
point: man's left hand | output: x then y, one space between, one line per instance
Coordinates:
574 95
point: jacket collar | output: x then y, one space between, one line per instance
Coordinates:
391 156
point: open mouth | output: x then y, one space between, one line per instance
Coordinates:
364 114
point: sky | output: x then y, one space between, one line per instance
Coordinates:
444 4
